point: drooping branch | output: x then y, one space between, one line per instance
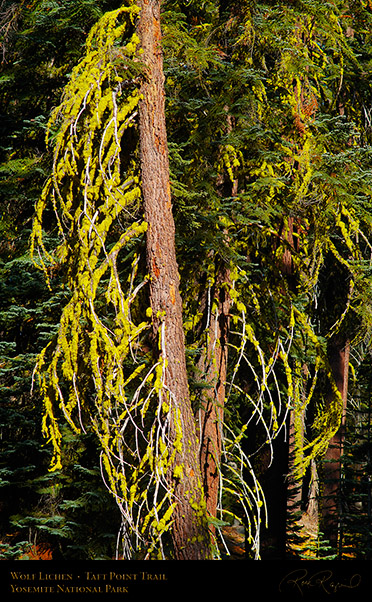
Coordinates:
137 406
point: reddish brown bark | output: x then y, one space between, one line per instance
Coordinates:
339 351
213 366
190 531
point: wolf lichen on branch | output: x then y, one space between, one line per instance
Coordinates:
95 371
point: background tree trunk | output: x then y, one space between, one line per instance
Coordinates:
213 367
190 530
338 353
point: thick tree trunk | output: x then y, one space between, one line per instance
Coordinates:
190 529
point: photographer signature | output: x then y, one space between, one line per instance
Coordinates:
301 579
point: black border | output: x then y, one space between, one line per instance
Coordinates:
127 581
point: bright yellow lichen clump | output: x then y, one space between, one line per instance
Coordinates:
95 371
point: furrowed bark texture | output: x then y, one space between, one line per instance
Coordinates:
213 365
190 530
339 351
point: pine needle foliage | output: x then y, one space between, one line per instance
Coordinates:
271 109
96 369
35 63
269 128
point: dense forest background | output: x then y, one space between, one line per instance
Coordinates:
269 127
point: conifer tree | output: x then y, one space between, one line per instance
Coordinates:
205 234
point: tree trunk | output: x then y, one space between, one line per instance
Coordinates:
296 419
295 444
213 366
338 353
190 530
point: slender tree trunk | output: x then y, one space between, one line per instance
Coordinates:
296 419
338 352
213 366
190 530
297 520
295 444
